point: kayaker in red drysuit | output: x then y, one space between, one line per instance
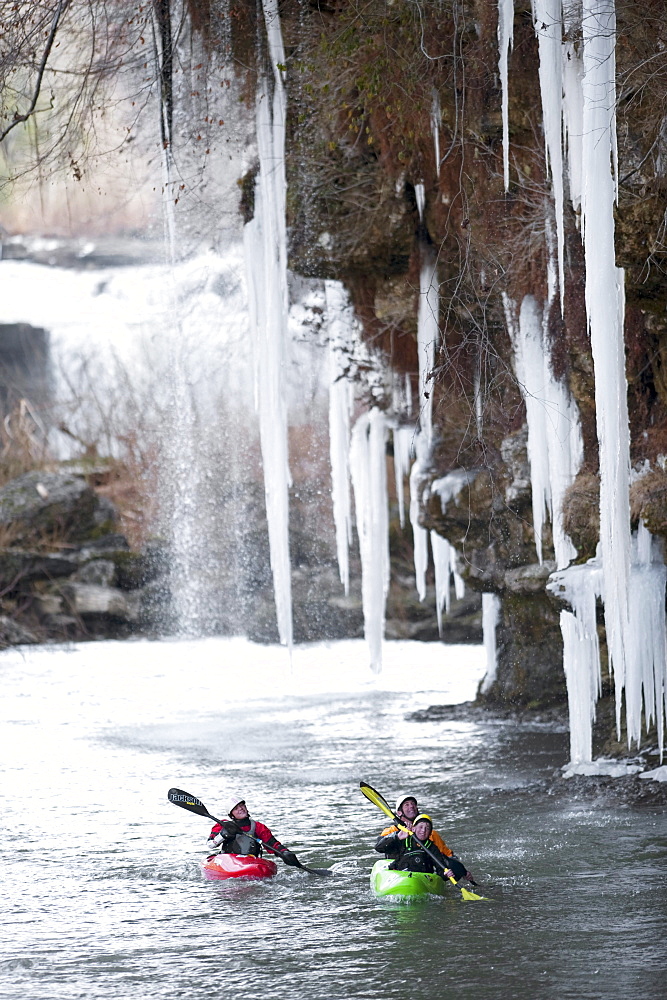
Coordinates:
409 856
407 809
242 835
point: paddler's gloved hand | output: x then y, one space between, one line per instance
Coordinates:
290 859
470 878
229 829
448 873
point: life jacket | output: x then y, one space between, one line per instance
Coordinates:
413 858
244 843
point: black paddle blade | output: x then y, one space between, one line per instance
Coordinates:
304 868
322 872
189 802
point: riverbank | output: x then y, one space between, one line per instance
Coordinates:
630 790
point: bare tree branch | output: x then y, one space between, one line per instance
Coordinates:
19 118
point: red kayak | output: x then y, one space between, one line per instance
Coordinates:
238 866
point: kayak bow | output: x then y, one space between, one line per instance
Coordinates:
238 866
388 882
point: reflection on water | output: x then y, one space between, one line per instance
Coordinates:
103 897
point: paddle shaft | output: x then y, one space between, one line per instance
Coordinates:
195 805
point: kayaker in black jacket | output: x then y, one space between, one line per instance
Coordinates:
409 856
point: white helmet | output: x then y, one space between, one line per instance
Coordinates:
403 798
233 801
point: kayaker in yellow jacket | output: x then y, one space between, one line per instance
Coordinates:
407 810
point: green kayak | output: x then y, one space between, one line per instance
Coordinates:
385 882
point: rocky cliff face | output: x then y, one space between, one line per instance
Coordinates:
391 97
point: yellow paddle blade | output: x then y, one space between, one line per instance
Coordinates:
377 799
467 894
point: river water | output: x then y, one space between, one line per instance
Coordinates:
102 893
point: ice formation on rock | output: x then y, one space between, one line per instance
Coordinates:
266 267
444 563
490 618
505 40
605 307
646 673
403 447
368 465
427 337
555 447
548 28
339 312
419 533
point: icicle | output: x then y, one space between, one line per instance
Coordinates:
435 129
403 437
505 42
444 554
490 618
555 447
605 309
580 586
408 395
427 336
564 440
419 534
442 558
573 118
276 48
266 267
340 407
421 200
548 28
529 359
369 478
479 404
449 487
646 641
444 561
646 672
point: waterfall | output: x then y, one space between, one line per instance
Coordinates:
265 242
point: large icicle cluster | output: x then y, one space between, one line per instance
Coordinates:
646 675
266 267
555 446
578 88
